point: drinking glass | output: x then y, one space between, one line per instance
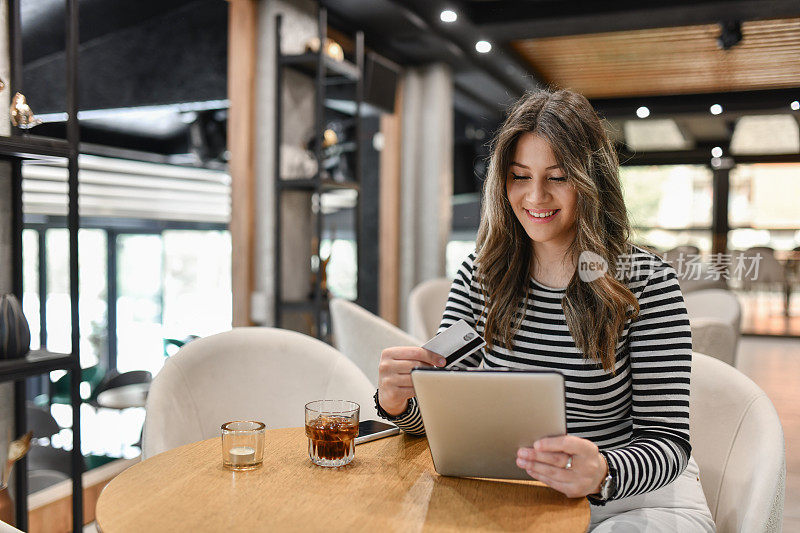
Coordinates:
243 444
331 427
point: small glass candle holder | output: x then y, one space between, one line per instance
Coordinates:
243 444
331 428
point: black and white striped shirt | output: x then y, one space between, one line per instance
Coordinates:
638 417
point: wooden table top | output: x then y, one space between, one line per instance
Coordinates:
390 485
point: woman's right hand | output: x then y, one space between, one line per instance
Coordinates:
394 375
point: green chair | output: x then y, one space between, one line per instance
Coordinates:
92 375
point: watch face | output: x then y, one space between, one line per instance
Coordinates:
609 487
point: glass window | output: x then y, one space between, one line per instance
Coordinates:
670 197
139 303
763 206
455 253
669 205
30 283
338 245
92 281
197 283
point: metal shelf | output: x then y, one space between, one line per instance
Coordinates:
35 363
325 73
311 184
301 306
342 71
27 146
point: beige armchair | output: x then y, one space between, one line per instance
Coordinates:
262 374
715 337
737 440
362 336
721 304
426 304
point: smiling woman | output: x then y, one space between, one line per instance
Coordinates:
620 337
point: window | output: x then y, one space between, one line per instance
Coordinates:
669 205
763 206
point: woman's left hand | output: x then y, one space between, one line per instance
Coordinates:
546 461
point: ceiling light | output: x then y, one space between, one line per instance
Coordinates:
643 112
716 152
795 105
715 109
448 16
483 47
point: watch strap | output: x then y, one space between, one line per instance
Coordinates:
386 416
607 487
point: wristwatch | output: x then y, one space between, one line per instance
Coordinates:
608 487
391 418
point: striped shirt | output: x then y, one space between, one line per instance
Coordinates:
639 416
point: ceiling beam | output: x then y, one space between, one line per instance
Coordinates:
740 102
506 21
504 67
696 156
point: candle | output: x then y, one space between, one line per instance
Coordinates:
242 455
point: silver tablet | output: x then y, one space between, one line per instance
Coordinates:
476 420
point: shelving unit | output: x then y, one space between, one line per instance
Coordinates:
15 149
325 72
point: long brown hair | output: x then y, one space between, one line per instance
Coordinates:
595 312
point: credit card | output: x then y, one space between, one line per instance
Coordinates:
456 343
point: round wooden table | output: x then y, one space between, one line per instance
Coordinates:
390 485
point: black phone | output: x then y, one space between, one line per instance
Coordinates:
369 430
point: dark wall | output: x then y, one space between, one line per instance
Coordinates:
176 57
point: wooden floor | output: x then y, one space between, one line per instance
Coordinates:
774 364
763 313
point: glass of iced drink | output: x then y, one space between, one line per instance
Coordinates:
242 444
331 427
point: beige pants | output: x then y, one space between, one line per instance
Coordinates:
678 507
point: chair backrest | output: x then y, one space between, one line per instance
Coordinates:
41 479
362 336
684 249
40 421
714 337
115 380
770 270
737 440
715 303
426 304
261 374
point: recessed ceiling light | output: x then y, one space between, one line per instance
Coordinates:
715 109
484 47
716 152
643 112
448 16
795 105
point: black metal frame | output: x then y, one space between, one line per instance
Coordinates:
319 67
15 148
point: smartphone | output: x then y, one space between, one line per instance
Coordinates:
369 430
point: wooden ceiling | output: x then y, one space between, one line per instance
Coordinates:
664 61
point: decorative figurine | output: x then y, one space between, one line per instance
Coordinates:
21 113
329 138
332 48
15 334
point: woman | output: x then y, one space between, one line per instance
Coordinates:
552 203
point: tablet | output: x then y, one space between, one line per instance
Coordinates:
476 420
